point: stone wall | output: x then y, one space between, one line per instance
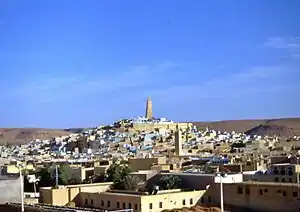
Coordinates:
10 191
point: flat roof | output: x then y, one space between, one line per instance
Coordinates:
78 185
140 194
121 194
267 183
89 184
145 172
188 174
283 164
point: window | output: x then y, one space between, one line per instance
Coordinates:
266 190
209 198
129 205
290 180
290 173
102 203
240 190
276 179
202 199
86 201
282 172
92 202
108 203
124 205
160 205
183 202
275 171
150 206
260 191
284 193
135 207
283 180
295 194
247 191
118 204
191 201
279 191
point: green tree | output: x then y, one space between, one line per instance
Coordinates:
170 182
117 174
46 178
63 175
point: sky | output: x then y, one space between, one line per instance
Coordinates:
76 63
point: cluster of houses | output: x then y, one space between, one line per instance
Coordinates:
254 172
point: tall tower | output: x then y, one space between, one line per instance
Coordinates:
149 113
178 142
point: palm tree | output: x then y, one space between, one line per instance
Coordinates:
170 182
132 183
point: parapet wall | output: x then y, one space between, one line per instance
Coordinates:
10 191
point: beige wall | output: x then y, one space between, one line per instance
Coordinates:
144 175
139 202
165 167
73 192
171 126
279 173
108 201
170 200
272 197
50 196
137 164
46 196
31 201
60 196
10 169
66 194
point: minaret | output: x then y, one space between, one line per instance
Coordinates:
149 114
178 141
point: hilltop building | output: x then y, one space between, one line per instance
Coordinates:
150 123
149 113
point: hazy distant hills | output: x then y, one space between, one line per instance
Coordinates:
282 127
76 130
21 135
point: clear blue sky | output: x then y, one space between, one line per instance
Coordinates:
75 63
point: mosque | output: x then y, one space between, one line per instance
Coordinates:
148 122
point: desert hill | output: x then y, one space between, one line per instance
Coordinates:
21 135
280 127
285 127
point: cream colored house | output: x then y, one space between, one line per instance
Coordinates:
64 194
137 164
140 202
99 196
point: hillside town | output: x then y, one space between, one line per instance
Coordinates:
152 164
